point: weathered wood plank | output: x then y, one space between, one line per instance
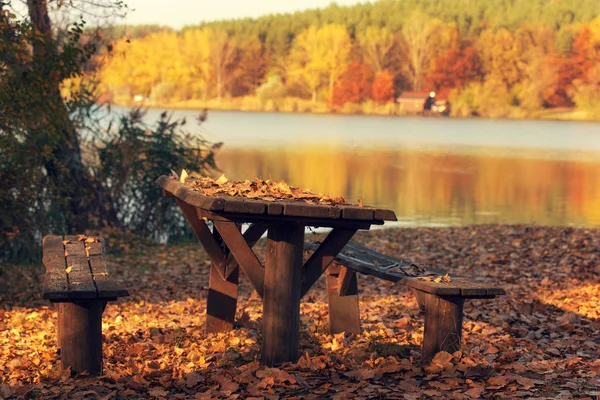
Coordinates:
345 278
282 292
221 300
192 197
80 338
75 249
94 249
107 288
443 325
323 256
257 206
244 206
81 284
275 208
344 314
265 218
300 209
251 236
202 232
56 284
369 262
361 213
242 253
384 215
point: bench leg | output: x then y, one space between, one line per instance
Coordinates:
282 292
80 336
443 325
420 296
221 301
344 314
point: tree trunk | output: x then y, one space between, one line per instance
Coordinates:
64 167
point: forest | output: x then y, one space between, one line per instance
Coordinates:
497 58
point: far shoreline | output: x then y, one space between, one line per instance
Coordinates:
568 114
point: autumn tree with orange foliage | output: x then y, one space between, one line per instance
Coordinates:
383 87
354 85
575 65
454 69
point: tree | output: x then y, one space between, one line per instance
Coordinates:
424 38
376 45
48 184
196 51
320 57
500 53
222 51
454 69
586 92
383 87
249 66
354 86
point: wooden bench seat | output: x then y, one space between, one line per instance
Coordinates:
78 283
440 296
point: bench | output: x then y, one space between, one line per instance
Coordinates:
439 295
78 284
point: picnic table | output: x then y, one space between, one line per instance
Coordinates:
284 279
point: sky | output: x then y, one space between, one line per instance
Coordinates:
177 13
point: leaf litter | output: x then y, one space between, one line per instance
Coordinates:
256 189
540 341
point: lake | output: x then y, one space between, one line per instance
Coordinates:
430 171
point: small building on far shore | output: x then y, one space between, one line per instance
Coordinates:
414 103
411 102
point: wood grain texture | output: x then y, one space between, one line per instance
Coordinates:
443 325
252 235
323 256
289 208
202 232
81 282
73 276
281 300
242 253
80 338
370 262
344 313
221 301
56 284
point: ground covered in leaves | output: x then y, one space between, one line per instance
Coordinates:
542 340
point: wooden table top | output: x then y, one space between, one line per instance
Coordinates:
285 209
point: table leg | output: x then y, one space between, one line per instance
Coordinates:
344 314
282 292
221 300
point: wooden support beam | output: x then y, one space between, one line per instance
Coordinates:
242 253
324 255
345 280
281 301
221 301
420 296
212 247
252 235
80 336
443 325
342 296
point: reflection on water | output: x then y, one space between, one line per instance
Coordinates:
441 186
429 170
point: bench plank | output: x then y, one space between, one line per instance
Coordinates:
107 288
81 284
56 285
76 270
370 262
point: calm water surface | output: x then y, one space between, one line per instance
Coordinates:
430 171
